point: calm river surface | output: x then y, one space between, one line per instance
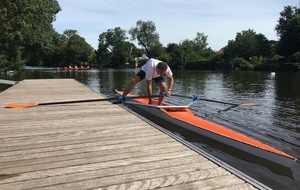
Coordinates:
275 120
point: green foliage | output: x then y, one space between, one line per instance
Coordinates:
12 65
200 42
25 27
133 51
157 50
198 64
289 42
27 37
113 49
285 16
247 44
275 59
179 59
192 54
165 57
296 57
271 63
71 49
77 50
146 36
257 60
240 63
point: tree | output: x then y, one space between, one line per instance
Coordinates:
247 44
200 41
71 49
78 51
58 56
113 48
190 53
171 47
263 46
158 51
289 42
188 46
285 16
181 53
66 36
26 31
146 35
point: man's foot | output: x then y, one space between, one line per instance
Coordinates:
117 102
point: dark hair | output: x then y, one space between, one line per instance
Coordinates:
162 66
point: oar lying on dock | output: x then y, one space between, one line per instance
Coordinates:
2 81
27 105
216 101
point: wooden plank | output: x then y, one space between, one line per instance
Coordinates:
88 154
95 145
227 181
99 178
94 160
14 144
108 167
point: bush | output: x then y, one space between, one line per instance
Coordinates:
241 63
275 59
6 65
257 60
296 57
199 64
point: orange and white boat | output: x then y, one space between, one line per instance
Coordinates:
182 116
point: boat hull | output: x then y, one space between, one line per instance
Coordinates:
183 118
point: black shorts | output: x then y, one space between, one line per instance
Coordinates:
142 75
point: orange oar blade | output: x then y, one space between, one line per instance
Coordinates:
20 105
248 104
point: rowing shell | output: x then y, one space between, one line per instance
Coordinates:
183 117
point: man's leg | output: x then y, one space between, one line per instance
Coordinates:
133 82
163 88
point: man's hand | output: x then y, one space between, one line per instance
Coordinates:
168 93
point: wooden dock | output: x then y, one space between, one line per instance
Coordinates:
95 145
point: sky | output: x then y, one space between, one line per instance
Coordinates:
175 20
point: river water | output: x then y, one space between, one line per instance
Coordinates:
275 120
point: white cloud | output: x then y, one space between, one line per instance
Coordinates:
175 20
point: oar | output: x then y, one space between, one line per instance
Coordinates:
27 105
216 101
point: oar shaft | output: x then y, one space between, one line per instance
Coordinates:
77 101
208 100
26 105
97 100
216 101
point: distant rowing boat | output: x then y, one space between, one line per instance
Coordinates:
181 116
80 68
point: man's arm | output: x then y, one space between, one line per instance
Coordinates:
171 82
